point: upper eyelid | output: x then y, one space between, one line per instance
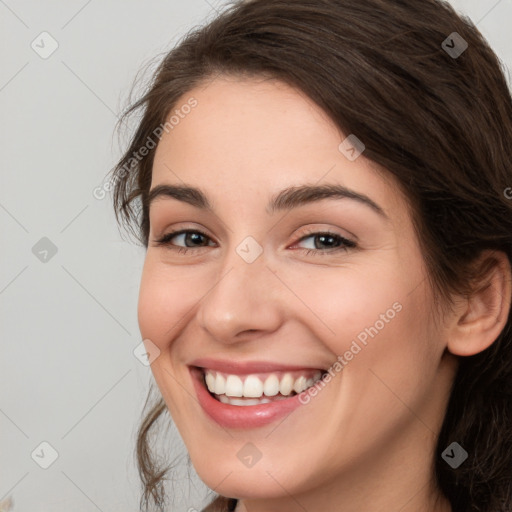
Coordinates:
347 233
308 233
185 226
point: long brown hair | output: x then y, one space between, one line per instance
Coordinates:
439 123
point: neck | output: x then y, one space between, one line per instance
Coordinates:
432 503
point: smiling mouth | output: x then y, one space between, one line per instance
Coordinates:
258 388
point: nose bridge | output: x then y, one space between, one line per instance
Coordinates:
242 298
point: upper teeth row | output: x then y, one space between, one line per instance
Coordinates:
254 387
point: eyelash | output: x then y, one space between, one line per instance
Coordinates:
347 244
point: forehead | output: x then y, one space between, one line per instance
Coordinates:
249 138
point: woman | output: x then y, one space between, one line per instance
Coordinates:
321 187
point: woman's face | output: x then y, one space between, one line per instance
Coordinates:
269 289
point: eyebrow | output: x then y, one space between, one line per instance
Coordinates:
286 199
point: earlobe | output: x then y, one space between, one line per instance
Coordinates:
479 319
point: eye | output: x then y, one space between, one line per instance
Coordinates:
188 235
333 241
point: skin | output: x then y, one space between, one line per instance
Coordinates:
366 441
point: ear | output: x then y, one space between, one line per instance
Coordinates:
479 319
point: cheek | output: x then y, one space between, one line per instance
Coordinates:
372 319
166 296
347 304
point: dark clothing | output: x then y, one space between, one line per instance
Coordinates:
221 504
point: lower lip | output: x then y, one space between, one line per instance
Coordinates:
240 416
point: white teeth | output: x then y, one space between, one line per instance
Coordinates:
250 401
253 387
271 386
247 401
210 380
300 384
220 384
286 384
234 386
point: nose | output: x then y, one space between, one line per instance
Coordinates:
246 300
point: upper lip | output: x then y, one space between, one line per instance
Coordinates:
247 367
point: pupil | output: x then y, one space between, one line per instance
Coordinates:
323 238
195 236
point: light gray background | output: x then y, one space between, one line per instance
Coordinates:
68 375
